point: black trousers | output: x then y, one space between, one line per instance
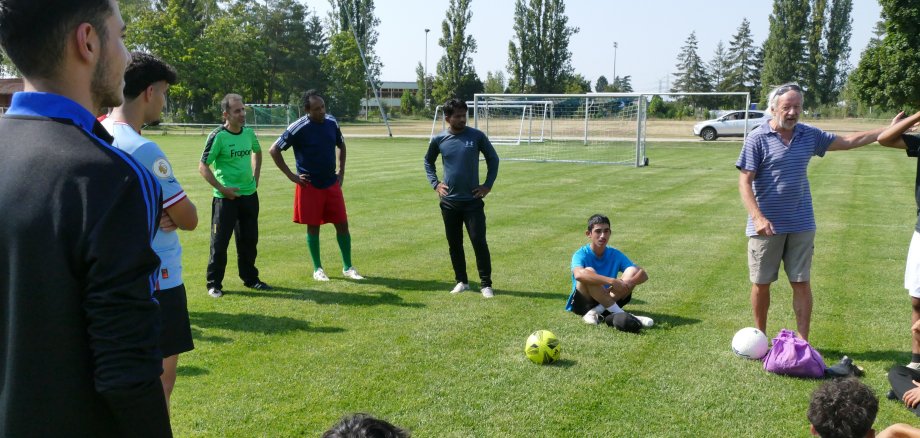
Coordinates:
239 217
901 381
456 214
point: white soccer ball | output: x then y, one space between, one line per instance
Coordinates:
750 343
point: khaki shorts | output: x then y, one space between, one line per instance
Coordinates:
795 250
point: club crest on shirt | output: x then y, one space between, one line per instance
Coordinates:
161 168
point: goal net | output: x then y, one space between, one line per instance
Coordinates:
270 115
513 122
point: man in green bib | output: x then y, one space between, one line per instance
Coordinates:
234 151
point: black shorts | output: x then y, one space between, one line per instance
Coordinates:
175 327
581 303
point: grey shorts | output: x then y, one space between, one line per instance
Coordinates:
795 250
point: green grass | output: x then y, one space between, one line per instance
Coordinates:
291 361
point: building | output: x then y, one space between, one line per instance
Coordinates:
390 94
8 86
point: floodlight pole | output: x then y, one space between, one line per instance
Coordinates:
425 78
615 45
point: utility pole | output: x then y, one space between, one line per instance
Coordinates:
615 45
425 79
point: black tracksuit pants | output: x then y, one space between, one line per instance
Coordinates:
239 217
471 213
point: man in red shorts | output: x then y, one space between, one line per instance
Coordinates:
318 192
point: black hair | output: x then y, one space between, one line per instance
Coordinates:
145 70
364 426
453 105
306 96
596 220
843 408
34 33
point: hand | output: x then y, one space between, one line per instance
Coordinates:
341 177
301 180
898 118
618 289
166 223
481 191
230 192
912 397
442 189
763 227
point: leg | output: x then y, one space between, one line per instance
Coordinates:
313 245
168 378
595 292
901 379
223 220
764 256
912 284
760 302
453 229
801 304
475 221
914 316
247 239
343 237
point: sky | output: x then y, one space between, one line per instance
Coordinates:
648 33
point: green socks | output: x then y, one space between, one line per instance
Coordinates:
313 245
345 246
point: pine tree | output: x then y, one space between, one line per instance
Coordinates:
837 52
691 73
784 50
718 68
741 74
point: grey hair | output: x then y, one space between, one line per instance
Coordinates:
779 91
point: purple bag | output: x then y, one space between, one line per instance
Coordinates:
793 356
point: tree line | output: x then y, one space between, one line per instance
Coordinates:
271 50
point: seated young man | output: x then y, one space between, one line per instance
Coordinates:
596 290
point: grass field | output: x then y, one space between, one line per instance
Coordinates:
291 361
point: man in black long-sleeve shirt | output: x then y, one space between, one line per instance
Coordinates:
460 192
78 324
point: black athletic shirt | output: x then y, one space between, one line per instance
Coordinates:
913 150
78 324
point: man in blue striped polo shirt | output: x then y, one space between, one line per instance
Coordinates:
774 188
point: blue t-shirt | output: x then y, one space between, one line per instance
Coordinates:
781 175
612 264
314 148
148 154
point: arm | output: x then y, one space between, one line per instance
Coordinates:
891 137
746 187
275 151
183 214
431 169
208 175
341 146
256 166
122 318
634 276
858 139
899 430
589 276
491 165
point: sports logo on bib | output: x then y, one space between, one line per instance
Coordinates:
161 168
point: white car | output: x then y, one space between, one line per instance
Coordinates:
729 125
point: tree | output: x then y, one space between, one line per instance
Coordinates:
741 73
540 61
456 76
814 46
495 82
346 72
718 67
424 85
407 103
577 84
836 66
888 74
784 50
691 74
621 84
601 84
359 15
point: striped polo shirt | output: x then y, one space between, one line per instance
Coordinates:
781 175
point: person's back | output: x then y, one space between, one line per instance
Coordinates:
72 198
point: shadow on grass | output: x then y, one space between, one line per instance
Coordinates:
190 371
895 357
198 335
248 322
664 321
563 363
327 297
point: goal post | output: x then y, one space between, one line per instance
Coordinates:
508 123
261 115
602 128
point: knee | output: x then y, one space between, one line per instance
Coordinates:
915 305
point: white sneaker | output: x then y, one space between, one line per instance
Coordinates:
352 273
487 292
460 287
914 365
592 317
215 292
320 275
646 321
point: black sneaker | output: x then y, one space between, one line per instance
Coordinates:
891 395
259 285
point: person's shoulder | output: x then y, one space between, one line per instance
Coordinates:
582 249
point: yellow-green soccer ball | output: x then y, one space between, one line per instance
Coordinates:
542 347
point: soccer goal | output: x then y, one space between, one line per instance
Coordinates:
261 115
515 122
